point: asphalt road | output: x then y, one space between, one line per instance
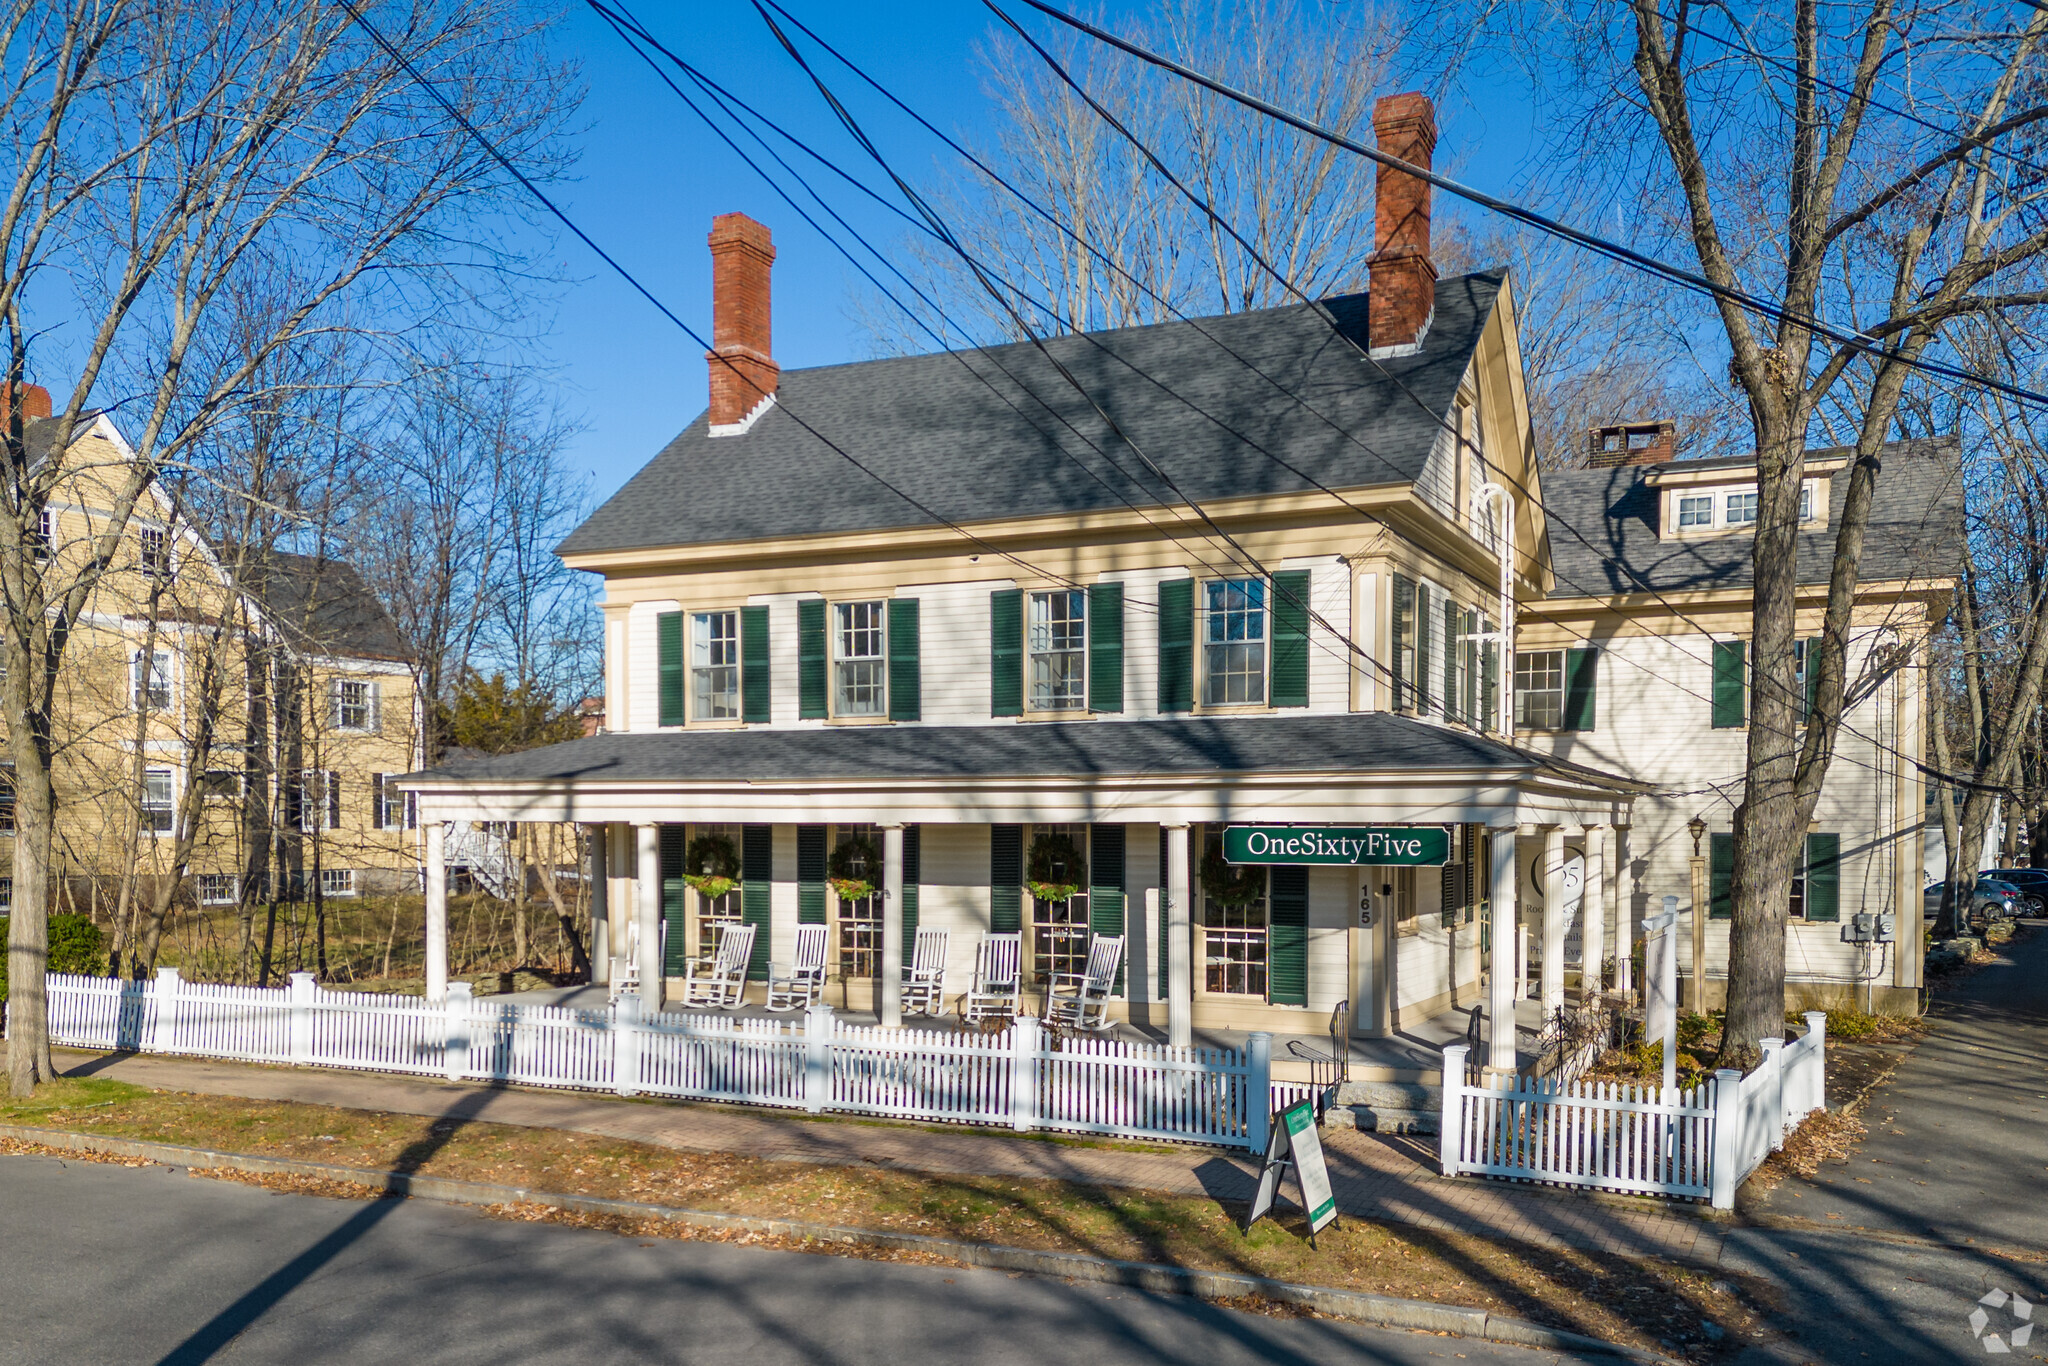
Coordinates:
108 1265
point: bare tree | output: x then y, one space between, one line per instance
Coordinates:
163 153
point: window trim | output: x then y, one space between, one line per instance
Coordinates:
1080 654
339 705
169 807
1812 507
1203 644
234 889
833 660
162 565
691 668
137 677
347 888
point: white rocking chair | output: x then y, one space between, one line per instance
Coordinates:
1081 999
723 985
998 988
625 973
803 982
924 986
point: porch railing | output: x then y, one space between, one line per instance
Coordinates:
1022 1079
1702 1141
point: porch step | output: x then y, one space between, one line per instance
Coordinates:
1387 1107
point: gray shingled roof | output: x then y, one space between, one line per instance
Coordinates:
1364 742
981 434
323 605
1916 527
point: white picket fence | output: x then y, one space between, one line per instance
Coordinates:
1022 1078
1701 1141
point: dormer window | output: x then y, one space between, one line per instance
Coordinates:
1696 511
1740 509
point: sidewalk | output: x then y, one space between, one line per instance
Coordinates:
1388 1178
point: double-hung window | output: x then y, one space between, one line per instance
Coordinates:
315 800
1695 510
715 666
860 670
1739 509
159 801
1057 641
1234 643
1539 689
355 704
6 799
155 552
44 536
150 673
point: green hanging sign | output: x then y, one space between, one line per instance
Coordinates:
1418 846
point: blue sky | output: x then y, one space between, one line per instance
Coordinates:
649 177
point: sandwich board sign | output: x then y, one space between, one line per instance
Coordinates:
1295 1143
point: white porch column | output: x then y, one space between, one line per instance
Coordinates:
1503 971
1593 916
1551 996
892 926
596 837
1622 887
1180 983
437 911
647 898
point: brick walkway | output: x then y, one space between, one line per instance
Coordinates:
1388 1178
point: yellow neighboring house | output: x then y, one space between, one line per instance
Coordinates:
227 718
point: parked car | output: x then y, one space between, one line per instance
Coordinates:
2032 883
1996 900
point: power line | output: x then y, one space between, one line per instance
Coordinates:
1438 419
1612 250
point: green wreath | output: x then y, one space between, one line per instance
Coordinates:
1056 870
711 865
1229 884
851 869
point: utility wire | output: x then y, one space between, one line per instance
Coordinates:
1628 256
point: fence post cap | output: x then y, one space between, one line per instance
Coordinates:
628 1007
299 977
1457 1051
1770 1045
460 990
166 974
1817 1021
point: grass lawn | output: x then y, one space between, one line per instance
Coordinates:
1657 1306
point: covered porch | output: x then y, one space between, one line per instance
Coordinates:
955 813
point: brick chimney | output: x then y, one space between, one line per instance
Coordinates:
1403 290
35 402
1631 443
742 355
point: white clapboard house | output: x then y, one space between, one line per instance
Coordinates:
1062 616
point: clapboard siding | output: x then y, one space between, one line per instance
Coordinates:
1438 484
953 627
643 663
1653 721
952 894
1141 638
782 680
1329 666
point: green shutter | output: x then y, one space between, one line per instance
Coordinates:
1453 653
1581 677
1006 652
1177 645
1106 886
1468 668
754 664
1287 935
1730 700
906 702
810 659
1105 647
1810 657
1005 879
1290 638
675 901
757 892
1489 679
1404 605
1823 877
668 633
810 875
1424 637
912 868
1720 876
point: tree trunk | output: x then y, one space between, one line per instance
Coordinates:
28 932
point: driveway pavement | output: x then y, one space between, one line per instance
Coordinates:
112 1265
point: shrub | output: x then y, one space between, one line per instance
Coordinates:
76 946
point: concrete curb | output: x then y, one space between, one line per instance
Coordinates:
1380 1310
